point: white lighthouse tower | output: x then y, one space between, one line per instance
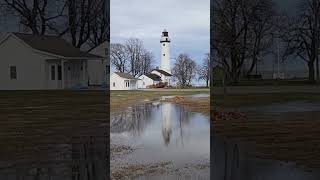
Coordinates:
165 52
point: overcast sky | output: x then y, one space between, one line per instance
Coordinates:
187 22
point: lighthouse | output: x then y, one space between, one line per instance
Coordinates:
165 52
164 72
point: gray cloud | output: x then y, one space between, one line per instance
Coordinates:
187 21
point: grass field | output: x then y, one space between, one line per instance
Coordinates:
32 121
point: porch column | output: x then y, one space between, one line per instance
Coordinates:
62 73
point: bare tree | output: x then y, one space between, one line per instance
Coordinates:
80 14
239 33
100 24
135 49
119 57
184 70
261 29
230 24
303 35
146 62
38 16
204 70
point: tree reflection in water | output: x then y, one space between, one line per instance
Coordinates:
133 120
234 160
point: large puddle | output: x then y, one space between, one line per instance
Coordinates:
233 160
163 132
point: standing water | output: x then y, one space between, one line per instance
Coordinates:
162 132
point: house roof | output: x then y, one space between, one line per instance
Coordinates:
104 44
54 45
126 75
163 72
154 77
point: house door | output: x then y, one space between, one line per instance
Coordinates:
54 76
67 74
132 85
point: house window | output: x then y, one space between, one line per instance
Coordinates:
53 72
114 84
81 68
13 72
144 83
59 72
164 44
164 54
127 84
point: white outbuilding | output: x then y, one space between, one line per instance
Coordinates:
123 81
165 76
30 62
148 80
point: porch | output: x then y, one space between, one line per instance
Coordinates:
66 74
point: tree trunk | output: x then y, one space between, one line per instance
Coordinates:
311 71
317 67
253 64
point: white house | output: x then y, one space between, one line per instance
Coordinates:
148 80
99 70
123 81
165 76
29 62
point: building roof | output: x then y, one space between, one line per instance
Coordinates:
54 45
154 77
126 75
163 72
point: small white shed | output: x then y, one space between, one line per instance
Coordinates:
147 80
123 81
165 76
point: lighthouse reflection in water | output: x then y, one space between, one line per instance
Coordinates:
166 123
